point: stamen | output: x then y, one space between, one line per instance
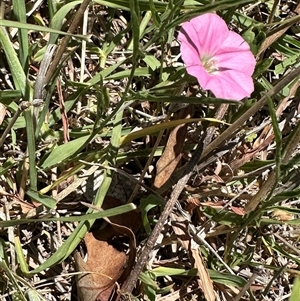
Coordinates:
209 64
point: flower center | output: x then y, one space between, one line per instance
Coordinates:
209 64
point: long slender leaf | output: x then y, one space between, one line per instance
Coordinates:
16 68
20 12
156 128
296 290
86 217
58 18
38 28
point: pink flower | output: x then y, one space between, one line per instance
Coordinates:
219 58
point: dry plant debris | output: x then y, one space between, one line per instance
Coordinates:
102 128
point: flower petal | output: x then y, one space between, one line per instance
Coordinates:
235 54
233 41
189 54
211 31
189 36
200 73
242 61
230 84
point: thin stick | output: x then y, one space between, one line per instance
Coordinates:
246 287
142 259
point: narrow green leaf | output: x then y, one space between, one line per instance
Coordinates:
226 279
86 217
213 6
218 277
275 275
283 196
165 271
125 4
19 77
135 23
296 290
3 251
47 201
143 71
165 125
262 66
154 13
63 152
281 67
38 28
152 62
21 256
8 94
295 161
145 277
182 99
20 12
147 204
255 164
34 296
58 18
7 165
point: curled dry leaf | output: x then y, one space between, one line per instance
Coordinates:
106 266
236 164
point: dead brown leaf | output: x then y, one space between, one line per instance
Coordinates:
193 202
107 264
129 219
282 215
104 266
172 153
